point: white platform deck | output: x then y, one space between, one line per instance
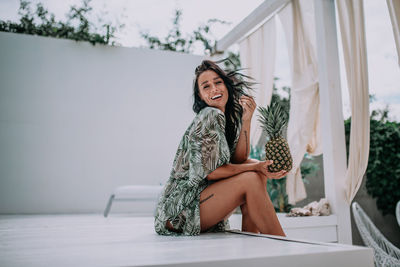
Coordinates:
92 240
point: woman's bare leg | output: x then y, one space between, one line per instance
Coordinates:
223 196
247 224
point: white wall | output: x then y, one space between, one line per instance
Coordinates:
77 120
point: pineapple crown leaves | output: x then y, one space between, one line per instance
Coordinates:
273 120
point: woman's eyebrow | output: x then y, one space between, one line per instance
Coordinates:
207 80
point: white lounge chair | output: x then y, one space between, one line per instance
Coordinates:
133 193
385 253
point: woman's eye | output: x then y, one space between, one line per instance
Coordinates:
219 82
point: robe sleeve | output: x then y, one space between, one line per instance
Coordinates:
208 147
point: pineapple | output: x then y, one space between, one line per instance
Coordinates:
273 121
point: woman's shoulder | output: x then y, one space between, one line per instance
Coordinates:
210 112
210 115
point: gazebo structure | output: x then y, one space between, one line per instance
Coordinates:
78 121
316 115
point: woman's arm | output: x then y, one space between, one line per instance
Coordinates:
228 170
242 150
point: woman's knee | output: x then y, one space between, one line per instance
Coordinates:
253 180
248 181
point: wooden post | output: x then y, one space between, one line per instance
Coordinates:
332 122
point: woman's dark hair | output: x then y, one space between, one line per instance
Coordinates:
236 88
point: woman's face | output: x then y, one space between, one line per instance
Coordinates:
212 90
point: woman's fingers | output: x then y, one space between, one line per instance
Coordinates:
246 97
253 101
263 167
243 103
277 175
271 175
249 105
249 101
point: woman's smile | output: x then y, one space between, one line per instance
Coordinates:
217 97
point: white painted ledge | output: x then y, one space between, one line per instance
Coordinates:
92 240
317 228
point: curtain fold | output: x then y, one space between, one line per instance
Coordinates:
352 28
257 54
394 12
303 127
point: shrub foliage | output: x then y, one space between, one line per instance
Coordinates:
383 171
77 26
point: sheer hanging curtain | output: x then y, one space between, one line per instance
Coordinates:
304 127
257 53
394 12
351 18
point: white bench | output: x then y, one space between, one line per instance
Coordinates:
133 193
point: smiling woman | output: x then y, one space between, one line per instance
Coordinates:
212 174
213 90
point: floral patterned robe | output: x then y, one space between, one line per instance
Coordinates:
203 148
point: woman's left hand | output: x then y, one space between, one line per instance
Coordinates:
277 175
262 167
249 105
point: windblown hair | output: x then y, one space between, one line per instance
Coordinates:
236 86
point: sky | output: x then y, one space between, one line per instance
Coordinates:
155 17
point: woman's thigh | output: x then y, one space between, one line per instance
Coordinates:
220 198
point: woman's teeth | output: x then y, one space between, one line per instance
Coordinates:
215 97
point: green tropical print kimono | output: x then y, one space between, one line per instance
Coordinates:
202 149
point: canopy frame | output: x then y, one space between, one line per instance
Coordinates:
332 126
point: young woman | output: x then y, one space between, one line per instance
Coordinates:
212 174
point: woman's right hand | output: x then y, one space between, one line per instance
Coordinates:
262 167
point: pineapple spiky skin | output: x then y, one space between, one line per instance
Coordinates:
277 150
273 121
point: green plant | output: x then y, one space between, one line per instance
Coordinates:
276 188
383 170
202 35
308 167
174 41
283 101
77 27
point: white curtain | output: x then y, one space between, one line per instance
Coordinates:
304 127
351 18
394 12
257 53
